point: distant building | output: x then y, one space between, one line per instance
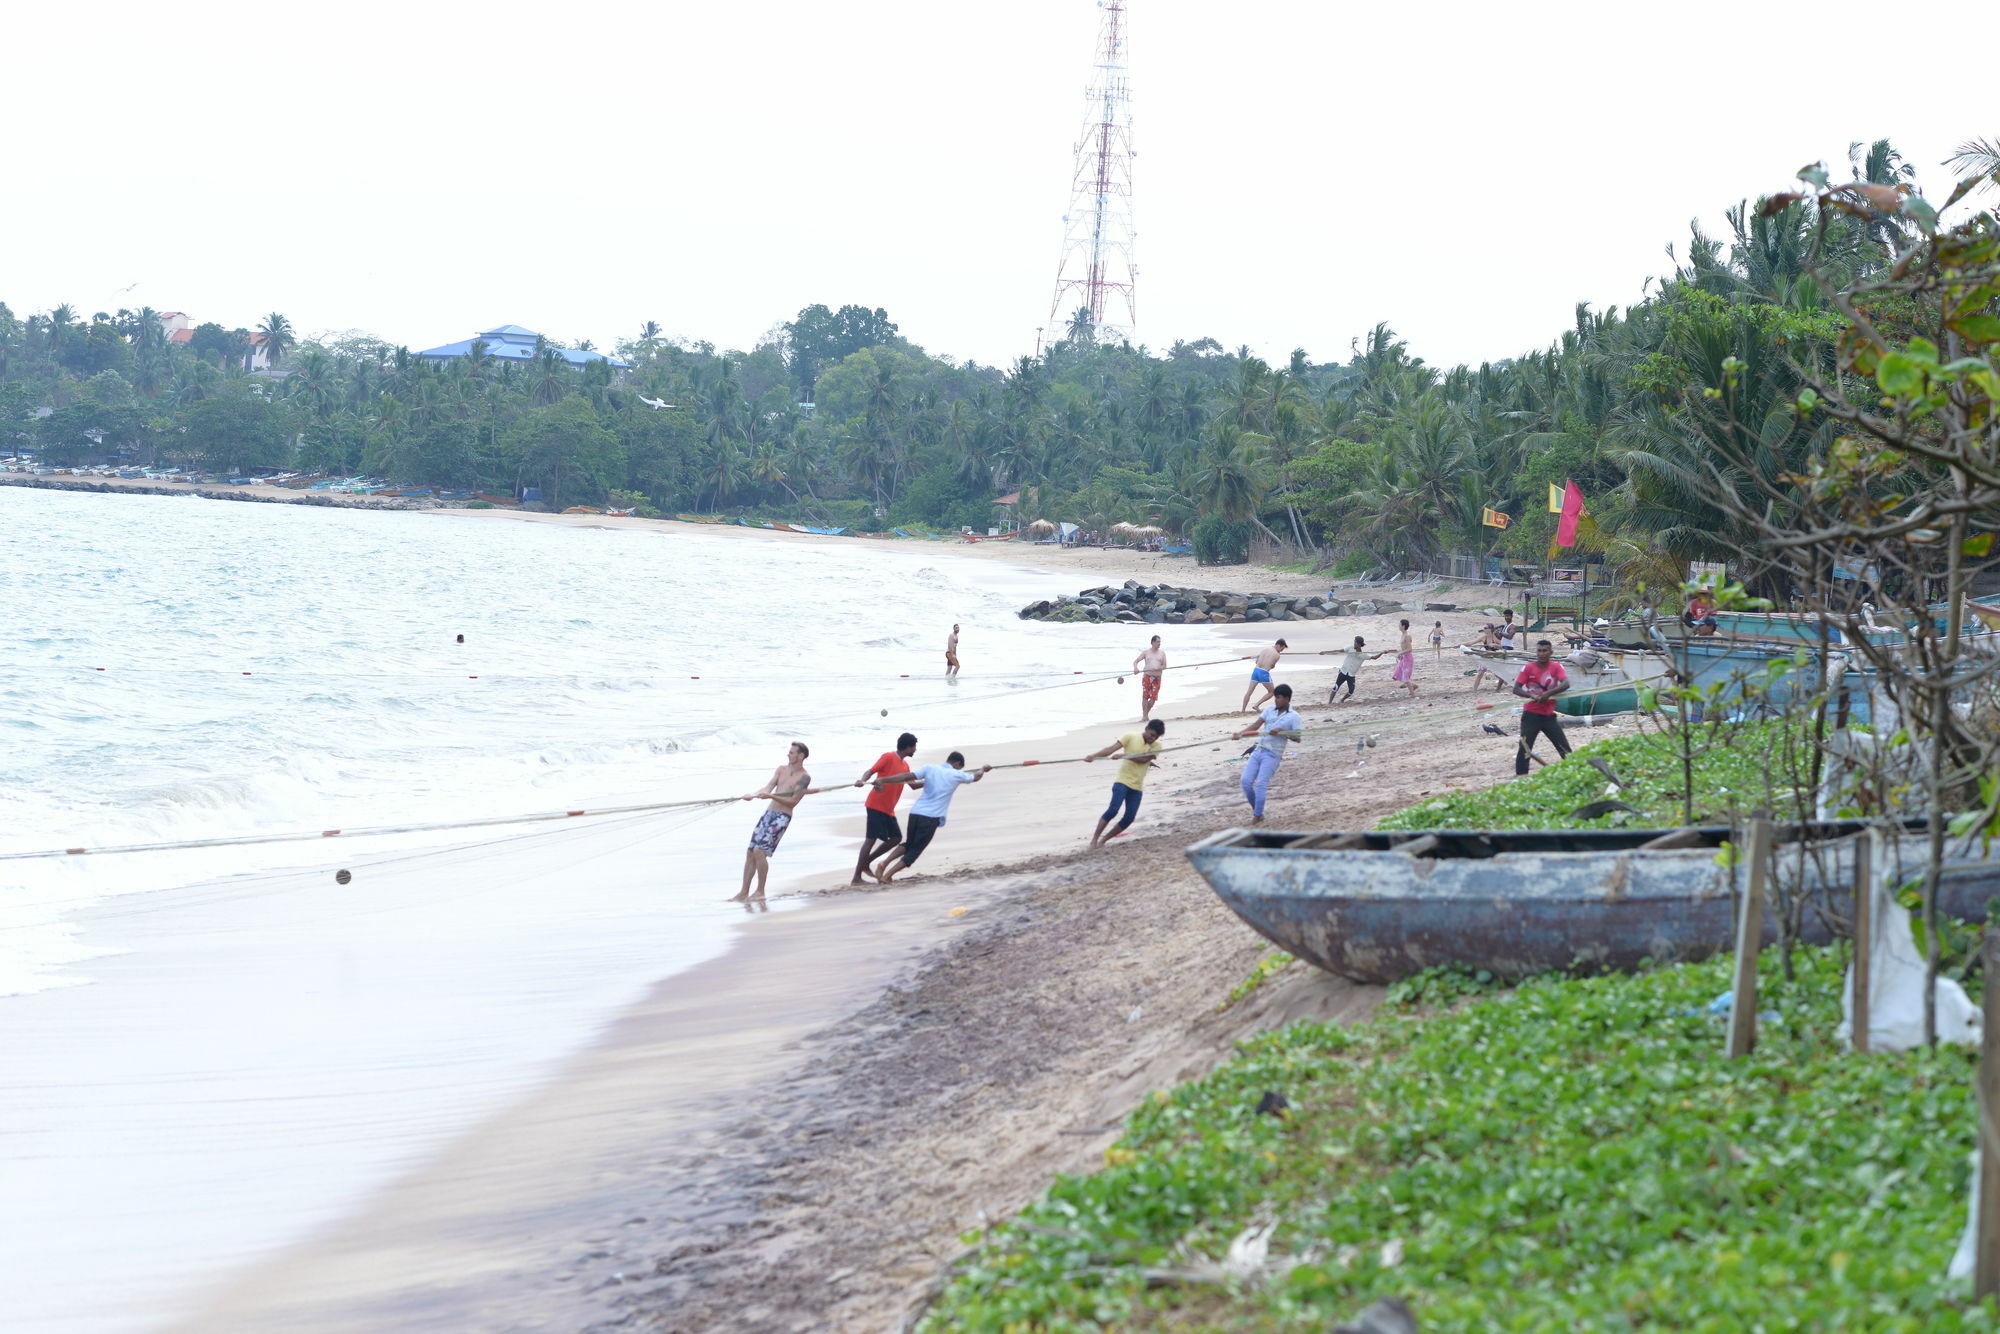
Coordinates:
510 342
180 331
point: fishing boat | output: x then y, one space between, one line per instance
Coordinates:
1378 906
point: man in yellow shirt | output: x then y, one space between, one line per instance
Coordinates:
1139 749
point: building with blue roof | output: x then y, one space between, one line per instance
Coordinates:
510 342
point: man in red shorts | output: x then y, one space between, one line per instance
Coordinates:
883 833
1149 664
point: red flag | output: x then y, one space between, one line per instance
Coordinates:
1572 511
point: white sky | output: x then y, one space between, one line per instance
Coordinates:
1466 172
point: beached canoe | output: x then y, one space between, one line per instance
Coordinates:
1380 906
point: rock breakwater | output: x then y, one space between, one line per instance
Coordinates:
1164 604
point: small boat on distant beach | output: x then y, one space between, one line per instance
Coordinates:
1378 906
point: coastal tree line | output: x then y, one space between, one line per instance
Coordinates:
1374 459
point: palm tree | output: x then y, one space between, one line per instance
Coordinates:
724 475
551 379
57 325
1978 157
278 338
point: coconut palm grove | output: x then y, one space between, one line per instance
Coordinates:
1372 458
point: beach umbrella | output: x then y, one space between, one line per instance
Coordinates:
1041 527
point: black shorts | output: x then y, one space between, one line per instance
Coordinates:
923 828
883 826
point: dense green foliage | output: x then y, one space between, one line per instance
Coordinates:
1738 772
1569 1154
1377 456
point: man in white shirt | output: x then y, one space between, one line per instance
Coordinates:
940 783
1273 728
1350 667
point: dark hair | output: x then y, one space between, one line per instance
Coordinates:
956 758
907 739
805 751
1359 642
1286 691
1543 643
1156 639
1405 623
1156 727
1283 644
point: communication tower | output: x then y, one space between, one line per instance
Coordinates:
1097 272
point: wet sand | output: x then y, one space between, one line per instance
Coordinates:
793 1136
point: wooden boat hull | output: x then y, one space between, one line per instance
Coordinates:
1524 903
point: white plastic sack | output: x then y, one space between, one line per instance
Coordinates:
1962 1258
1896 986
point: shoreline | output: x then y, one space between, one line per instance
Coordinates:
619 1193
519 1208
1096 563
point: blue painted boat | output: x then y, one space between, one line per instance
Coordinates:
1379 906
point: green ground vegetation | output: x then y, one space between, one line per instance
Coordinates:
1739 768
1569 1154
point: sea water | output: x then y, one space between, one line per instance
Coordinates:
179 670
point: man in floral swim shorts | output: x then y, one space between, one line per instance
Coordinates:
788 784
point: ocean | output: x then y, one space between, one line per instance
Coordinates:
205 1053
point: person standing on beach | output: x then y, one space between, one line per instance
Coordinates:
788 784
1406 662
1149 664
951 652
883 834
940 783
1437 640
1277 725
1539 683
1139 749
1260 675
1507 629
1350 667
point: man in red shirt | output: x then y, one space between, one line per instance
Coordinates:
883 833
1539 683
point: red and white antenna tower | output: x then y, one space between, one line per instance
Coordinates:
1097 273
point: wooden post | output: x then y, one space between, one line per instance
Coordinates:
1986 1240
1864 936
1749 940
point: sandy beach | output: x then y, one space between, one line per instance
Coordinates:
795 1134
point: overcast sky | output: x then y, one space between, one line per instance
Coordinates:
420 171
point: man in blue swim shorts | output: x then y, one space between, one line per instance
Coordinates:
1260 675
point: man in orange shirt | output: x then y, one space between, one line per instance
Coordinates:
883 833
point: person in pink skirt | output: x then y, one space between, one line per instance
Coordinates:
1406 662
